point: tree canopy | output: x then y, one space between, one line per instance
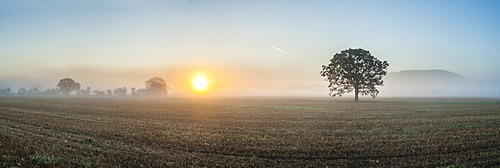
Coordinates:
68 85
156 86
354 70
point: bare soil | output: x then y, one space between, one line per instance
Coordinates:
248 132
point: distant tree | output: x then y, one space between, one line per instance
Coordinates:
121 91
53 91
6 91
99 92
88 91
34 91
141 92
132 91
68 85
3 92
156 86
22 91
80 92
9 91
109 92
84 92
354 70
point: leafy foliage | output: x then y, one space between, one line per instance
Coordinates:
157 86
68 85
121 91
354 70
6 91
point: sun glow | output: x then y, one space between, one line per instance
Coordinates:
200 83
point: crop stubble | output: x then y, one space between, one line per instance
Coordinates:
245 131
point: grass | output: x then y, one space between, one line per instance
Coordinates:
247 132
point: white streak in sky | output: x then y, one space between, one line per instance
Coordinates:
280 50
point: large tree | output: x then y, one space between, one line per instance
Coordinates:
354 70
68 85
157 86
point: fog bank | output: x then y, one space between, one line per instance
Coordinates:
433 83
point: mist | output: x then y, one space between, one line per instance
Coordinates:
248 81
436 83
224 80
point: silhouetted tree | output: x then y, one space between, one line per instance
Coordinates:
68 85
132 91
53 91
141 92
80 92
6 91
110 92
84 92
121 91
354 69
22 91
34 91
156 86
99 92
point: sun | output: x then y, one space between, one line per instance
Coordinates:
200 83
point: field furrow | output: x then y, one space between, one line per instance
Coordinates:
246 132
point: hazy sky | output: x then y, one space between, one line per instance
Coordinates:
242 47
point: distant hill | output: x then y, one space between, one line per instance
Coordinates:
426 74
432 83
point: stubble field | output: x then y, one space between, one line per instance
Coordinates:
248 132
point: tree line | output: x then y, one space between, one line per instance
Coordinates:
155 86
349 70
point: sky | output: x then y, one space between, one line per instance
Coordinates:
261 47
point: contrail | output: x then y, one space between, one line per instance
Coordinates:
280 50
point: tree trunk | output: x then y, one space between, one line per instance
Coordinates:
356 92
